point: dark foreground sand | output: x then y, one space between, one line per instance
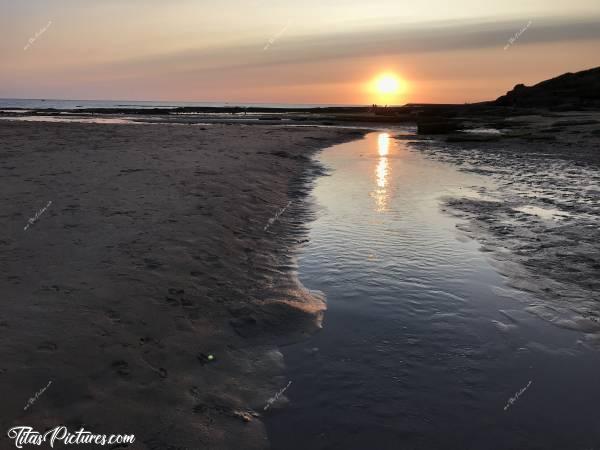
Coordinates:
152 256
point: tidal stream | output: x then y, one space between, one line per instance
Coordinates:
423 345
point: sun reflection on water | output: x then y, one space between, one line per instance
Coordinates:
383 144
382 171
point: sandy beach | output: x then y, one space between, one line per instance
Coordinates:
147 272
300 225
151 282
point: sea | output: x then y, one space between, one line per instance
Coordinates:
127 104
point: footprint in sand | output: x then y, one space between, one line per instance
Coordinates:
121 367
152 264
48 346
174 291
172 301
112 316
178 298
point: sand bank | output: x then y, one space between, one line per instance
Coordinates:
149 292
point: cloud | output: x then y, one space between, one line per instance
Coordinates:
401 39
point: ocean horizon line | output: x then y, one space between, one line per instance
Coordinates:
38 103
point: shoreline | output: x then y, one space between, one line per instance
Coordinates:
539 224
193 280
150 286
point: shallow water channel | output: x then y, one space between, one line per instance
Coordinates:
423 345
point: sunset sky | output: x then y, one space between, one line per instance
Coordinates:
310 51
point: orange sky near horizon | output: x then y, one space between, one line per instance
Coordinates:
281 52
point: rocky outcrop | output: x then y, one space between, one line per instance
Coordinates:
568 91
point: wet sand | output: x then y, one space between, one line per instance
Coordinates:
153 288
540 220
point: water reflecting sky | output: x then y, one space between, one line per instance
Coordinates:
382 172
422 344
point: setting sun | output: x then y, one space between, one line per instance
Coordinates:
387 84
386 87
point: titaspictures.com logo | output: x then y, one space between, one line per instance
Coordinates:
24 435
